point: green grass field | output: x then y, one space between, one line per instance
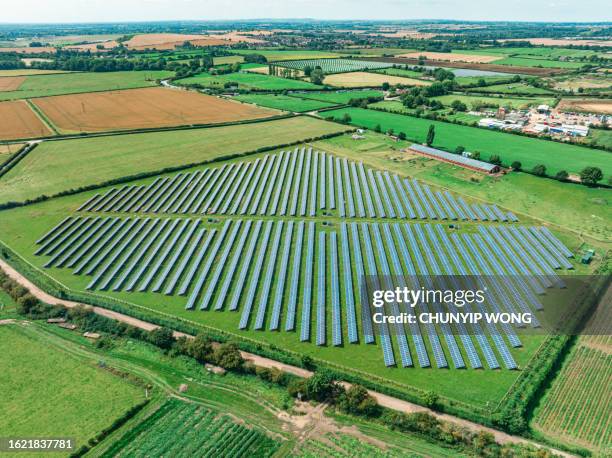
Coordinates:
529 62
277 54
29 72
60 165
474 80
571 206
227 60
338 97
551 52
502 101
71 83
375 52
246 81
54 393
529 151
513 88
285 102
399 72
398 107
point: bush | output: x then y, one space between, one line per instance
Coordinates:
591 175
323 387
539 170
561 175
357 401
516 165
200 348
228 356
161 337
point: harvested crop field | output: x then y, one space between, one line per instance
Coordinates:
163 41
19 121
11 83
365 79
26 50
591 106
142 108
452 57
94 47
562 42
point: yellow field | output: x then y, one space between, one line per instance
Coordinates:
365 79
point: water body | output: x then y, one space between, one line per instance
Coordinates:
470 71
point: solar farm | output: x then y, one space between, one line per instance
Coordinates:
284 242
330 66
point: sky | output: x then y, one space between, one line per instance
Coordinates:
153 10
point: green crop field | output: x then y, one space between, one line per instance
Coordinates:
273 55
529 62
576 408
363 52
474 80
284 102
399 72
246 81
56 393
502 101
338 97
71 83
398 107
182 429
513 88
529 151
227 60
57 166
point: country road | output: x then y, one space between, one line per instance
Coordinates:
384 400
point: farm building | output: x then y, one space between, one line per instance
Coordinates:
456 159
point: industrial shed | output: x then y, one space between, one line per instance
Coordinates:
456 159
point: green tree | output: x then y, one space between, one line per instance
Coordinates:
201 348
430 399
495 159
431 134
377 128
228 356
458 105
346 118
459 150
357 401
402 135
322 386
317 76
161 337
516 165
539 170
591 175
561 175
385 86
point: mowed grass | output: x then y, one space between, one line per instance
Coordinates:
71 83
574 207
245 81
481 389
51 393
529 151
284 102
339 97
53 167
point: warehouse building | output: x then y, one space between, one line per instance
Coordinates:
456 159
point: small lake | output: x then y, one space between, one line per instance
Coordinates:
470 71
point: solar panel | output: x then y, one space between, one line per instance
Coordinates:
421 196
400 335
185 185
468 210
84 239
349 189
196 263
322 188
281 182
177 182
238 255
395 198
335 291
89 202
261 185
239 199
258 262
321 291
307 291
82 223
184 262
357 187
307 183
512 217
349 296
69 242
368 332
55 233
265 294
331 202
556 242
289 179
366 190
454 205
313 185
108 249
106 198
481 215
501 216
295 278
207 265
415 201
225 188
94 255
385 339
551 260
447 209
483 343
197 178
123 193
487 210
246 264
272 185
282 275
297 184
214 189
447 333
385 195
205 302
514 233
163 255
196 192
404 197
129 203
341 209
92 244
439 212
550 247
155 196
253 186
379 206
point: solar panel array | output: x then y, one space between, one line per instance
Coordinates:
301 182
309 275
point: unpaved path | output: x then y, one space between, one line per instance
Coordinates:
382 399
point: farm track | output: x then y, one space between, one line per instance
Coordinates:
383 400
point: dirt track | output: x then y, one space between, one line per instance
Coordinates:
382 399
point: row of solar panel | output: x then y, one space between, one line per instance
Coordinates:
216 266
294 183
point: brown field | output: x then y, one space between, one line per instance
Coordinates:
585 83
364 79
590 106
26 50
11 83
93 47
19 121
162 41
238 37
452 57
561 42
142 108
262 70
9 149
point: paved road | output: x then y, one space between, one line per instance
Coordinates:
384 400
